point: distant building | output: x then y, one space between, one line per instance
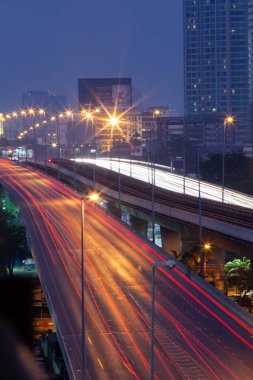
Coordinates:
134 133
111 96
218 70
51 103
107 92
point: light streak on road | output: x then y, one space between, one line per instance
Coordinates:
192 328
172 182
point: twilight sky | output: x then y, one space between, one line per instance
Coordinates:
49 44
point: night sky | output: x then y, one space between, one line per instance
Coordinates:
49 44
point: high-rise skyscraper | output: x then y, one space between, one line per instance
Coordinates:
218 69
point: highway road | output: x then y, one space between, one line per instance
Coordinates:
197 337
164 179
110 179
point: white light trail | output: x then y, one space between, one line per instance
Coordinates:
170 181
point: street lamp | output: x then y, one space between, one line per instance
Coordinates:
156 113
89 129
69 115
206 247
227 121
35 141
41 112
170 264
55 145
201 251
114 121
92 197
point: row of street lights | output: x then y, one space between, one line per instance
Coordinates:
111 120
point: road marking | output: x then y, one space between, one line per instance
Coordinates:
100 363
129 369
89 340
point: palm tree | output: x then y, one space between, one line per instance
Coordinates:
238 273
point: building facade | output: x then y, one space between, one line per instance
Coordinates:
218 68
112 96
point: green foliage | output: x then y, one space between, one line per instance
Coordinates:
238 171
13 244
238 273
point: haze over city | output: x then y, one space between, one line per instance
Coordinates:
49 44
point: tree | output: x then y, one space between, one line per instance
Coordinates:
238 273
13 244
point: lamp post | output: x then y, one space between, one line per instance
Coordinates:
201 253
206 247
94 152
184 164
227 121
35 141
119 184
74 168
82 293
69 115
15 116
156 113
89 127
114 122
44 123
165 264
92 197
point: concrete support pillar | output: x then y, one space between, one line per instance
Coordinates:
139 225
170 241
189 238
114 210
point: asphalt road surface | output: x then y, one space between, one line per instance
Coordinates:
196 336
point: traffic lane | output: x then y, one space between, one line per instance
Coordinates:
100 332
131 287
226 338
202 309
120 318
103 347
151 255
71 307
48 203
138 326
232 324
66 306
44 246
213 351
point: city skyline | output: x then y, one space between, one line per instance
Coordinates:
49 46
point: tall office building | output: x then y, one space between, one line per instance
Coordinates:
218 70
107 92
